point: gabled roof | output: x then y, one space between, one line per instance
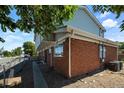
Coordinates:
91 15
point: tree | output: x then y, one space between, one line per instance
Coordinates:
29 48
1 50
2 40
7 54
17 51
116 9
5 20
121 45
42 19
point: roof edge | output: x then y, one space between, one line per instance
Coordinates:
90 35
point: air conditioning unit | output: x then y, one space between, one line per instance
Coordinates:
115 66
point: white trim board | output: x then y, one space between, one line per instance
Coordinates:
81 34
69 57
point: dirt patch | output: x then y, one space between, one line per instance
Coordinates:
12 81
104 79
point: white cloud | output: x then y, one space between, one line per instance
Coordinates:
12 38
16 39
25 34
116 37
115 34
12 46
109 23
9 32
104 14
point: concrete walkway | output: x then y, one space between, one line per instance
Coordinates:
39 81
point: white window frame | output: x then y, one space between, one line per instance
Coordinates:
102 52
50 51
59 45
101 33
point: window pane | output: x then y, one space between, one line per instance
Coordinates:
104 52
59 50
50 51
100 51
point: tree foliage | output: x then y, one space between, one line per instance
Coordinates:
2 40
42 19
7 53
29 48
17 51
121 45
116 9
5 20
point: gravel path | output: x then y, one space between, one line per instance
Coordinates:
105 79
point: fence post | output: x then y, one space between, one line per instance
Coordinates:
4 76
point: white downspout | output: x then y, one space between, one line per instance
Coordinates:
51 57
69 57
117 52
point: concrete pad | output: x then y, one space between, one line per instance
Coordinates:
39 81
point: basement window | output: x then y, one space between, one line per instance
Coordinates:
58 50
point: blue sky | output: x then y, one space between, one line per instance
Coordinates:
15 39
111 25
108 20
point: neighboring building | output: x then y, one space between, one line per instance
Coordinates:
121 54
78 47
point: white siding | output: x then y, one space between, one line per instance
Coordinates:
81 20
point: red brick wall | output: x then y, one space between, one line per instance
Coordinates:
61 64
48 58
111 53
84 56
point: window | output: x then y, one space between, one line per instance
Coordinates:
102 52
50 51
101 33
58 50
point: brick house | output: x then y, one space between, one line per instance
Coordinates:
78 47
